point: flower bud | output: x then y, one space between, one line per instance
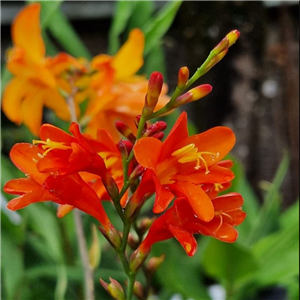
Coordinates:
193 94
132 241
137 172
137 258
114 288
155 128
154 263
215 60
145 225
233 37
223 45
95 250
183 77
138 290
112 236
159 135
125 131
155 84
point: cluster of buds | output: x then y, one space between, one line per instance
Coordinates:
183 175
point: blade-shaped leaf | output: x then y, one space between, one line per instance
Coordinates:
155 28
123 11
12 266
268 218
64 33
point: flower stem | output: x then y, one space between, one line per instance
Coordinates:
88 271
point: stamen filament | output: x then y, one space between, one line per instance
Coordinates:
50 145
189 153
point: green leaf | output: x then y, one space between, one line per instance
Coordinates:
45 223
12 266
155 61
290 217
179 273
231 264
64 33
156 27
141 13
123 11
268 218
278 254
48 8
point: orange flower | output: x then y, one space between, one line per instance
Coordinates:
180 222
115 92
33 85
69 190
182 163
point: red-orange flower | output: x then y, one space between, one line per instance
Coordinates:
182 163
45 186
180 222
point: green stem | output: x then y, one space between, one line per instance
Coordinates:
88 272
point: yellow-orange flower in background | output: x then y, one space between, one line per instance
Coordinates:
34 84
115 91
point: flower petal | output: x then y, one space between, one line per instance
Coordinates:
26 32
32 110
218 140
24 156
20 186
147 152
55 134
185 238
228 202
178 133
37 195
129 58
198 199
13 96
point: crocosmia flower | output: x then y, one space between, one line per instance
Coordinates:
38 186
180 222
34 84
182 163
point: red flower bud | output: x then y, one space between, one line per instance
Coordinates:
155 84
159 135
125 130
183 77
155 128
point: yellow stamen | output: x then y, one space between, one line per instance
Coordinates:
189 153
50 145
218 187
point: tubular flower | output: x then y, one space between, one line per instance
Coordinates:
34 84
180 222
66 190
115 92
66 154
182 163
